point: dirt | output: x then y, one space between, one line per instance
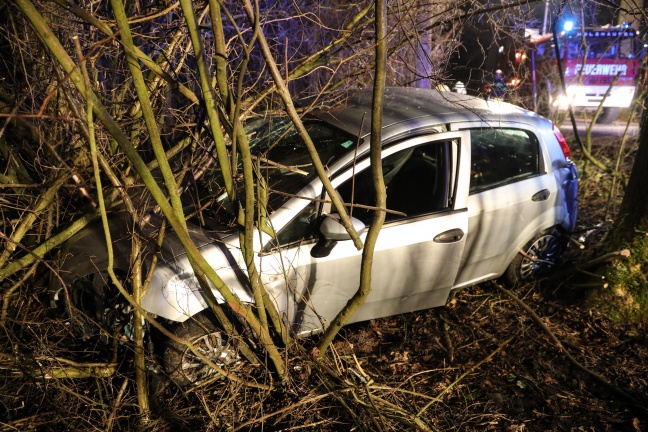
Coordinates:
528 384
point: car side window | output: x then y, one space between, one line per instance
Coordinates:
501 156
417 181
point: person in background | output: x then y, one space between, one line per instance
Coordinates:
498 89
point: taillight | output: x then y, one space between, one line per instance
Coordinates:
562 141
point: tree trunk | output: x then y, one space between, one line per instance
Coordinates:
634 208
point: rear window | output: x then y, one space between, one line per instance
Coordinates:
502 156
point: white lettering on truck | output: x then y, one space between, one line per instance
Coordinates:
602 69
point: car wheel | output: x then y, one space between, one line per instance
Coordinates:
184 367
541 255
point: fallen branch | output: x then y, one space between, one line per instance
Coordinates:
382 407
118 399
31 422
445 327
585 272
589 285
535 259
575 242
564 273
402 416
622 254
6 297
71 370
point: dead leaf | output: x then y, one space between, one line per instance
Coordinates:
549 380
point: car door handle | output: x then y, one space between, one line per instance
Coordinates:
541 196
450 236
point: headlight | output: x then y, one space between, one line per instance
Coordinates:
572 91
562 102
179 284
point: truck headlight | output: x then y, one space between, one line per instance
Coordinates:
572 91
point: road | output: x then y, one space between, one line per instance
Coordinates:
615 129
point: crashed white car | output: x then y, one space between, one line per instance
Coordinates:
469 182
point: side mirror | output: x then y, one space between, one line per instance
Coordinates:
331 231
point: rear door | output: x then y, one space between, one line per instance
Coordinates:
512 197
419 249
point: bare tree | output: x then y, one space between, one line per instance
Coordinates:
129 116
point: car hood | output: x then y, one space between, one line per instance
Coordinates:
201 237
86 252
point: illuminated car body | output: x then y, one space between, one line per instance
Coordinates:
469 184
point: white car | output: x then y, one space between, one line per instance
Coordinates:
470 184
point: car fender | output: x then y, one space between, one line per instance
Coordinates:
174 291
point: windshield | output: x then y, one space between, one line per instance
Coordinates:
283 159
603 45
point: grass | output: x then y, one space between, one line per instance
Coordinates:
626 299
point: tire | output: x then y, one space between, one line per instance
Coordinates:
546 247
184 367
608 115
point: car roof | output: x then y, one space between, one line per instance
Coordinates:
406 109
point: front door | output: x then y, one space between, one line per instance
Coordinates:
418 251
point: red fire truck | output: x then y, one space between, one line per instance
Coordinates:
596 62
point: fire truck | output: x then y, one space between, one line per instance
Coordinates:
601 66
